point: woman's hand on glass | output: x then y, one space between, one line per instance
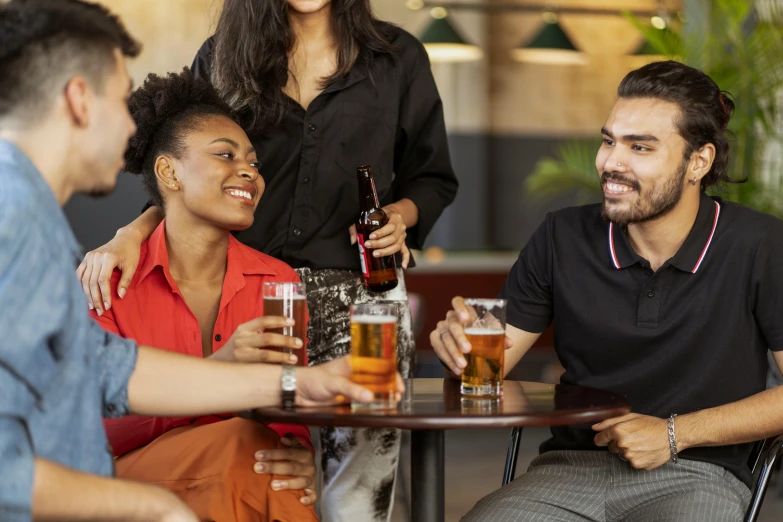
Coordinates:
252 343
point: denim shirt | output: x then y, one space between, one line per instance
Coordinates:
60 373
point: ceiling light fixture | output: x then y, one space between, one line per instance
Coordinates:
444 43
550 46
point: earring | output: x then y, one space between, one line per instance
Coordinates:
693 181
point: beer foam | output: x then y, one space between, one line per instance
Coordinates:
373 319
483 331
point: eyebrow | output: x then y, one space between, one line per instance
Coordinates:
226 140
631 137
233 144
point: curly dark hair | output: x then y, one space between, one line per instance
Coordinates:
705 110
44 42
164 109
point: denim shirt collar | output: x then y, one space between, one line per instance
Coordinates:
16 161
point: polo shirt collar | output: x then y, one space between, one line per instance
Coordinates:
239 262
20 164
691 254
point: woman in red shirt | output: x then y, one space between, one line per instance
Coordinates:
198 292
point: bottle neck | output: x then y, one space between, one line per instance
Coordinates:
368 198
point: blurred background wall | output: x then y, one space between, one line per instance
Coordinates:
502 116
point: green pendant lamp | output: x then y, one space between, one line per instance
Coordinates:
444 44
550 46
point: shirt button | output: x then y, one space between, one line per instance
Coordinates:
651 294
218 337
111 408
312 128
297 231
306 180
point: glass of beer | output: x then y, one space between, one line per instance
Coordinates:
288 300
374 351
486 333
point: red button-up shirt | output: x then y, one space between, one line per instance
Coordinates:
154 313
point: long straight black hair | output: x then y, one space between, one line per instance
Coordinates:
252 42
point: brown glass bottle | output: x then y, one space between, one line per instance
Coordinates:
379 272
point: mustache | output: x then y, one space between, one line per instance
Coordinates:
608 176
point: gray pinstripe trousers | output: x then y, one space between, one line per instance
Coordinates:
596 486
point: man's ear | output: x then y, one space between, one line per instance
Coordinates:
701 162
77 99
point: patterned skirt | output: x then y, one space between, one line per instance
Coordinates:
358 466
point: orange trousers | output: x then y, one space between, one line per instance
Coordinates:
210 467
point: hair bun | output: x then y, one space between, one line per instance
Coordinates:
727 108
160 101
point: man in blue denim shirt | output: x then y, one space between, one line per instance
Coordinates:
64 125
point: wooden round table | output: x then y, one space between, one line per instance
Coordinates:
430 406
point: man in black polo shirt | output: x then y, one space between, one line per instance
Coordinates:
663 294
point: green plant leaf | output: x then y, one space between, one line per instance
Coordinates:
573 170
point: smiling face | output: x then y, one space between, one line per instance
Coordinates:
642 161
216 179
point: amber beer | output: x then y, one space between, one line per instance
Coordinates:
485 362
483 375
379 273
374 351
288 300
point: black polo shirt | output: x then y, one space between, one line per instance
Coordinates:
690 336
385 113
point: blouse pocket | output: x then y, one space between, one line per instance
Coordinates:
367 135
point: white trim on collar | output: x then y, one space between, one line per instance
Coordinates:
613 252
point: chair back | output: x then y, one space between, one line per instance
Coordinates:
761 463
758 451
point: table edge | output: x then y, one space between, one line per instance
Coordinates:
572 417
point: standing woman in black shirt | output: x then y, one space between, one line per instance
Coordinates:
324 88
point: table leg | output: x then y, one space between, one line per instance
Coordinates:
427 481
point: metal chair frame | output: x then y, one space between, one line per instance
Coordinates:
766 452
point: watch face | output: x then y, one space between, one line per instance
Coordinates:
289 378
288 382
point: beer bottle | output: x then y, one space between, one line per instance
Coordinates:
379 272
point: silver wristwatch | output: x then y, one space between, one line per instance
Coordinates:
288 384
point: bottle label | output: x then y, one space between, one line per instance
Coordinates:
363 256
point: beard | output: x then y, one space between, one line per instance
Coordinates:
652 204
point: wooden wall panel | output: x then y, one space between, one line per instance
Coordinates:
170 30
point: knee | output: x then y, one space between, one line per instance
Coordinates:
241 442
